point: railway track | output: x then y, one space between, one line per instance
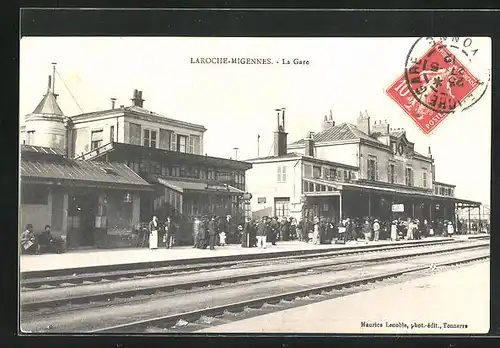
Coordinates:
33 280
105 292
203 318
180 292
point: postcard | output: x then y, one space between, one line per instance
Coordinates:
189 185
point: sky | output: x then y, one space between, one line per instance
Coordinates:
237 102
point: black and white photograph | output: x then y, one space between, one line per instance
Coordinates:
188 185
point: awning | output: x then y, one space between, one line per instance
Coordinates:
389 191
399 192
332 188
183 186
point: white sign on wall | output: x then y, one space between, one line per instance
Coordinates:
398 208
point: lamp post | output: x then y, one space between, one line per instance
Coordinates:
236 153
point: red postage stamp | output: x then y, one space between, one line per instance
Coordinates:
433 86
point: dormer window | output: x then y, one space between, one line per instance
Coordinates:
96 139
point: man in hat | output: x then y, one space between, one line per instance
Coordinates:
212 233
376 230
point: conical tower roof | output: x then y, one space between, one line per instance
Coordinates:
48 106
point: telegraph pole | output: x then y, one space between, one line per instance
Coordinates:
236 153
258 145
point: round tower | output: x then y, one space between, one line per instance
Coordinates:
46 125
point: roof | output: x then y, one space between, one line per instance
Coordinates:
137 110
285 156
198 186
42 150
80 172
48 106
142 151
444 184
296 155
397 133
344 131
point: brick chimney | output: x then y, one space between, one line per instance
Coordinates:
137 98
328 122
309 144
380 127
280 136
364 122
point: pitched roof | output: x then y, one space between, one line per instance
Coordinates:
397 133
344 131
41 150
75 171
48 106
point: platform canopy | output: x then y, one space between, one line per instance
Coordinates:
183 186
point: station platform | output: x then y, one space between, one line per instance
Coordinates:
144 257
435 299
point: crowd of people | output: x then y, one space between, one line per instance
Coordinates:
212 231
44 242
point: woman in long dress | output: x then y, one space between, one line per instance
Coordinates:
394 231
316 233
153 233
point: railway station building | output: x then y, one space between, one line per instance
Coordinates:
348 170
88 204
166 153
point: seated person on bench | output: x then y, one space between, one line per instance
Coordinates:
48 243
28 241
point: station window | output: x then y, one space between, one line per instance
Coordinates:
372 168
149 138
282 207
281 174
96 139
316 172
30 137
424 179
333 173
182 143
392 173
307 171
409 177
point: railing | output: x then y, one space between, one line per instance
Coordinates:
95 152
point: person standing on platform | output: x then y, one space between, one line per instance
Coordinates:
274 226
285 229
411 228
300 230
450 229
315 237
196 232
167 237
262 233
212 233
342 231
376 230
202 235
394 231
153 233
367 231
253 234
245 238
